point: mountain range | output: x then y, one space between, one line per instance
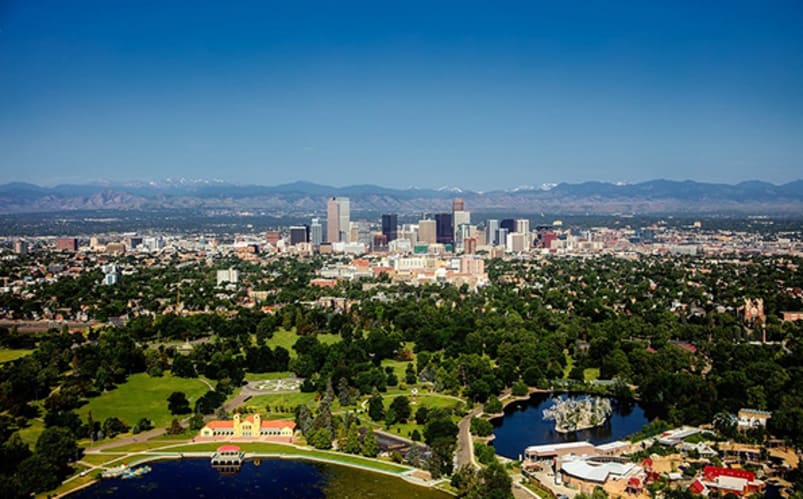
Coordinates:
298 198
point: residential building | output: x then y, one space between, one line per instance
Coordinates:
228 276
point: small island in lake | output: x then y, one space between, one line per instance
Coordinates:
572 415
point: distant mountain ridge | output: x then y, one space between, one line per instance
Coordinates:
652 197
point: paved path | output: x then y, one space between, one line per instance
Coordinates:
465 445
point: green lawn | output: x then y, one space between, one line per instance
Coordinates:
265 447
287 339
8 354
31 433
591 373
406 429
142 397
289 400
398 366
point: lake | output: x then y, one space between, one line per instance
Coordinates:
271 478
523 425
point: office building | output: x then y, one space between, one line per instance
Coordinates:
66 244
523 225
501 238
516 242
492 232
316 232
444 228
338 220
458 205
298 234
427 233
390 227
509 224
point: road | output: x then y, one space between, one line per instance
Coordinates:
465 446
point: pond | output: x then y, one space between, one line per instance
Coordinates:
523 425
266 478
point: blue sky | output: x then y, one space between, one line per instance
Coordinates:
474 94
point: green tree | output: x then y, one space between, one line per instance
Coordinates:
58 446
496 483
177 403
196 422
37 474
352 440
376 408
401 406
320 438
410 376
370 447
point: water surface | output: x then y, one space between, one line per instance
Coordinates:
271 478
523 425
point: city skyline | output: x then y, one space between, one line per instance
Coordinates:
467 94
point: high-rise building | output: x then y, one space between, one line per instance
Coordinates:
459 219
66 244
523 225
338 219
427 233
470 245
229 275
492 232
501 237
20 247
298 234
390 227
457 204
316 232
509 224
444 228
516 242
272 237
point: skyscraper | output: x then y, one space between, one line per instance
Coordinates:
316 232
338 218
444 228
509 224
457 205
492 232
426 232
390 227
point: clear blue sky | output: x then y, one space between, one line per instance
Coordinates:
474 94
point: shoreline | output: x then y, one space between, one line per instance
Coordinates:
156 456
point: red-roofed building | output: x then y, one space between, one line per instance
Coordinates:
252 427
729 480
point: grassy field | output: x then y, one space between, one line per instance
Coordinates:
286 450
31 433
287 339
142 397
429 401
289 400
8 354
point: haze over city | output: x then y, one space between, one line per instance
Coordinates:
473 94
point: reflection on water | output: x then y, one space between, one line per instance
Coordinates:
270 478
524 425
